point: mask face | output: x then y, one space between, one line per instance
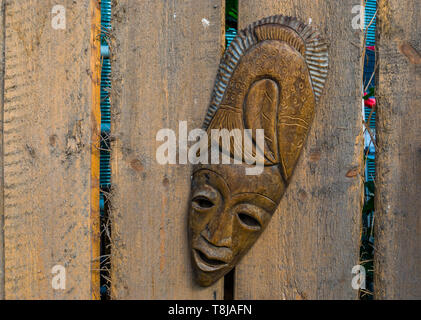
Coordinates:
268 82
228 212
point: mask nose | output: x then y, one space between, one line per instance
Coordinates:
219 230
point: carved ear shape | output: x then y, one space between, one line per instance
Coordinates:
260 112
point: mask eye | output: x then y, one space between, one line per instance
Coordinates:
249 221
202 203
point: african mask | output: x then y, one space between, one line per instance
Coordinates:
270 78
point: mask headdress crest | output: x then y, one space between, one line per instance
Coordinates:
270 78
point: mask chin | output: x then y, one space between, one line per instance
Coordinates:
206 279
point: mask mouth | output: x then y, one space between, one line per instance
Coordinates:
207 263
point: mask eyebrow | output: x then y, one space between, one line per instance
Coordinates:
221 178
209 191
256 193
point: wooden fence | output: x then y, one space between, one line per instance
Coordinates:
165 55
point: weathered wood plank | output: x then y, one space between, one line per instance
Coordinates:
2 34
312 242
51 110
166 54
397 218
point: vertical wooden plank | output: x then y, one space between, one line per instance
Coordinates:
50 123
95 74
165 58
312 242
2 34
397 218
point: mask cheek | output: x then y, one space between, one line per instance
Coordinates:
243 239
198 221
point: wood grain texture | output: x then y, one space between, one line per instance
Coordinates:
2 34
95 73
397 218
312 242
50 113
165 58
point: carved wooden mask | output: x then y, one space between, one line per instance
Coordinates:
270 78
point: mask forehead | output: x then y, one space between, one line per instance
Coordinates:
233 180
